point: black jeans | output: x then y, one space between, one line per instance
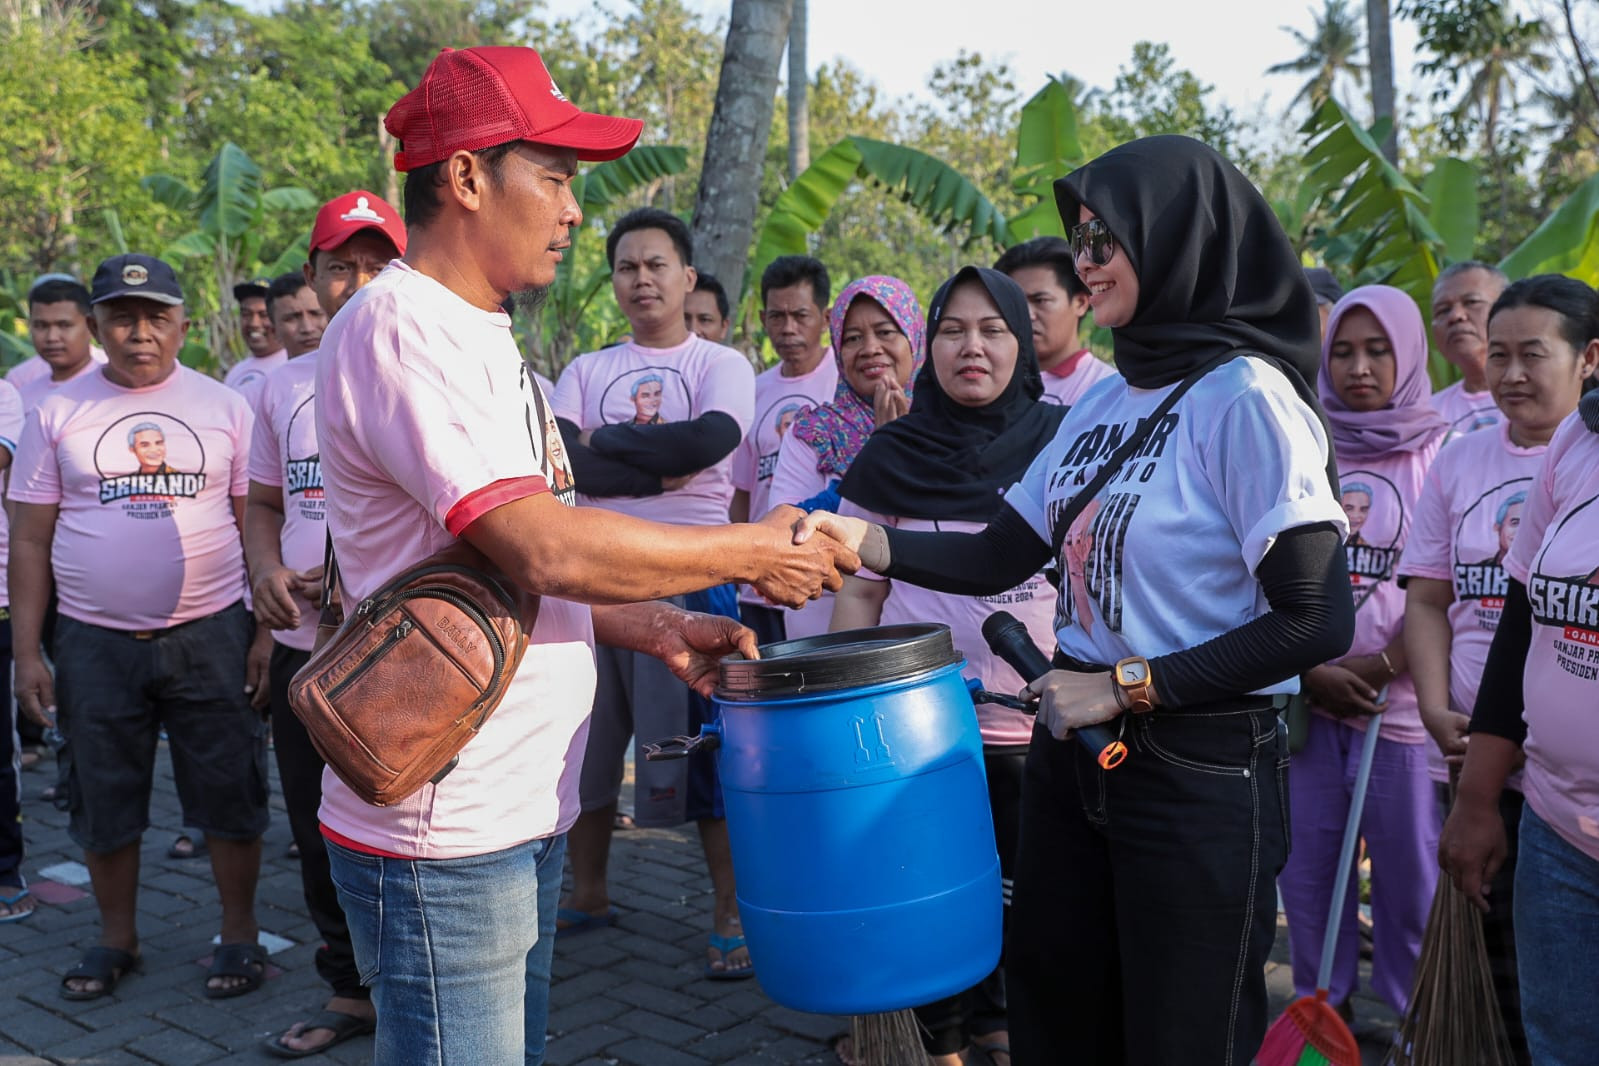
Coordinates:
1145 899
300 771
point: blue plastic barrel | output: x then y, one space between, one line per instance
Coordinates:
852 770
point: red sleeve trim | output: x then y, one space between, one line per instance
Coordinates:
365 849
475 505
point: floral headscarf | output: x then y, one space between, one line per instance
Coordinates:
838 430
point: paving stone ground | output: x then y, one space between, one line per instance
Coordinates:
632 995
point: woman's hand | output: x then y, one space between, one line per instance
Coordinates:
1068 700
1341 692
1448 729
847 531
889 401
1472 847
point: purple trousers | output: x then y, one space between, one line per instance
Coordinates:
1400 825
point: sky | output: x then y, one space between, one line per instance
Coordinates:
1225 43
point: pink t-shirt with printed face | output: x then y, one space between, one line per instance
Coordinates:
1087 372
653 386
1032 603
10 430
1379 499
1465 412
249 376
283 455
1556 556
144 478
41 388
427 418
1470 508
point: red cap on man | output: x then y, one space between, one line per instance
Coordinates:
344 216
476 98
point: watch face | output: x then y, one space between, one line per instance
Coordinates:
1134 673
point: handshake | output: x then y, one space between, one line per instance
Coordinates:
806 554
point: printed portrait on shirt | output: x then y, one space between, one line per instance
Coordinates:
1471 421
1482 540
1563 589
555 459
646 396
302 463
147 461
1377 520
772 426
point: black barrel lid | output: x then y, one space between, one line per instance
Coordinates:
853 658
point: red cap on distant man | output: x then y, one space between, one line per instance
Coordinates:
476 98
344 216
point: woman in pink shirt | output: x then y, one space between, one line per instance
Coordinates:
1385 434
973 430
1540 683
1455 581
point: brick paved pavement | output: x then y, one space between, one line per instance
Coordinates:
628 996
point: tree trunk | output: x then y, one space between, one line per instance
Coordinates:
387 145
735 145
1380 48
799 107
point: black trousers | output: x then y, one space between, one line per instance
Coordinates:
1145 900
10 780
300 770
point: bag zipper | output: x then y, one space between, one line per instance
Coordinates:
462 601
397 634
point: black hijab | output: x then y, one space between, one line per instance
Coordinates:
944 460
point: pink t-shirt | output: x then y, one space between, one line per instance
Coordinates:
1032 602
145 479
1379 498
1556 556
777 400
431 419
795 478
1466 412
10 430
283 454
40 387
1470 508
248 376
651 386
1084 371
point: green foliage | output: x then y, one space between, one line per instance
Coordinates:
1047 147
1328 53
1566 243
1153 96
1451 192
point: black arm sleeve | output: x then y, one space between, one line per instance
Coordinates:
672 449
600 476
1501 699
1001 556
1311 620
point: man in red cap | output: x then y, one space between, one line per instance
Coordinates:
285 535
431 427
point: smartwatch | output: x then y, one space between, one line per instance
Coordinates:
1134 686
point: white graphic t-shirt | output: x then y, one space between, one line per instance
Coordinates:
1465 412
283 454
144 479
1467 517
1083 371
653 386
1164 557
1556 556
248 376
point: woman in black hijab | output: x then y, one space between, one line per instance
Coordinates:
1199 578
972 431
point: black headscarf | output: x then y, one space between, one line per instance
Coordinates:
944 460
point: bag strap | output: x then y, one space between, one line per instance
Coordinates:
332 608
1127 450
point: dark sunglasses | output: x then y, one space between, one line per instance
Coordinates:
1094 238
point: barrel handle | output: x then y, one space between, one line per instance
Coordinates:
710 739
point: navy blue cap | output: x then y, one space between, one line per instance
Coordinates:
1324 285
142 276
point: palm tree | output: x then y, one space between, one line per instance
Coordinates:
1509 49
1328 53
1380 50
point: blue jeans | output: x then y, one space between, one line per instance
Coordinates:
1557 926
456 951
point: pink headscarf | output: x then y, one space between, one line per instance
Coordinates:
1407 422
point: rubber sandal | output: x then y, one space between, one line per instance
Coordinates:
187 847
245 961
582 921
623 822
106 965
344 1027
727 945
11 901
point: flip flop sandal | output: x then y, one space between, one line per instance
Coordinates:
11 901
582 921
244 961
106 965
344 1027
727 945
187 847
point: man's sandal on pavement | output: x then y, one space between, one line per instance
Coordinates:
105 965
247 962
343 1026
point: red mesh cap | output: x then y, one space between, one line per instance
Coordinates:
343 217
476 98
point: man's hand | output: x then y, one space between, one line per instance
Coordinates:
1068 700
256 663
1472 847
798 572
1448 729
694 643
274 593
889 401
1342 692
35 688
308 584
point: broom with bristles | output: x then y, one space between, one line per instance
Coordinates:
1453 1018
892 1039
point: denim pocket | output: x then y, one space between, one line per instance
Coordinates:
1227 746
358 879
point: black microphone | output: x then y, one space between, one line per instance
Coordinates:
1009 639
